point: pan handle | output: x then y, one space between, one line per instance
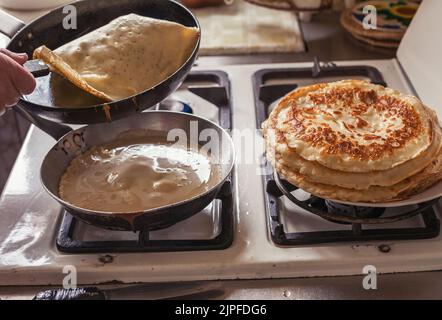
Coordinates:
55 130
37 68
9 25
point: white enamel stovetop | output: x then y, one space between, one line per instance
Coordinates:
29 219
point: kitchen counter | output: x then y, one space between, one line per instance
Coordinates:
323 36
326 40
419 285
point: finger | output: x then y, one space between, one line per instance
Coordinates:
9 94
12 103
22 80
2 108
20 58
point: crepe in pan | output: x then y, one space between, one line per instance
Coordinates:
129 55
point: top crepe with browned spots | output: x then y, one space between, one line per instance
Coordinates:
353 125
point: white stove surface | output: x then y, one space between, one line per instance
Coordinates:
30 218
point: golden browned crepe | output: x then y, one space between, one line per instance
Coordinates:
318 173
353 125
129 55
354 141
60 66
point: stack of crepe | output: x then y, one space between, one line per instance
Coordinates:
129 55
354 141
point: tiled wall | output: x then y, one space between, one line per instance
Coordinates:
12 132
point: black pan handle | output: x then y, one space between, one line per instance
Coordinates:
9 25
55 130
88 293
37 67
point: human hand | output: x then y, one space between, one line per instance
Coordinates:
15 80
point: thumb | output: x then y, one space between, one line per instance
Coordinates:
20 58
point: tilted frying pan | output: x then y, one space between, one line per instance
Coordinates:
77 141
91 14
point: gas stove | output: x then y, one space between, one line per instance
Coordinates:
37 240
242 234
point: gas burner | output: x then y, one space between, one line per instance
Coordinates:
345 222
76 237
277 189
352 211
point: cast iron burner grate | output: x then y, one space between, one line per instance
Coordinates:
66 241
219 95
356 217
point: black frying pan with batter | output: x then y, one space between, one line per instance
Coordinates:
55 97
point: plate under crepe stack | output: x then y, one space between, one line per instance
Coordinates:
392 21
354 141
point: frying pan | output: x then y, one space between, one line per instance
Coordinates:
91 14
74 142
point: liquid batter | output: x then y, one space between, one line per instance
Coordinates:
136 173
